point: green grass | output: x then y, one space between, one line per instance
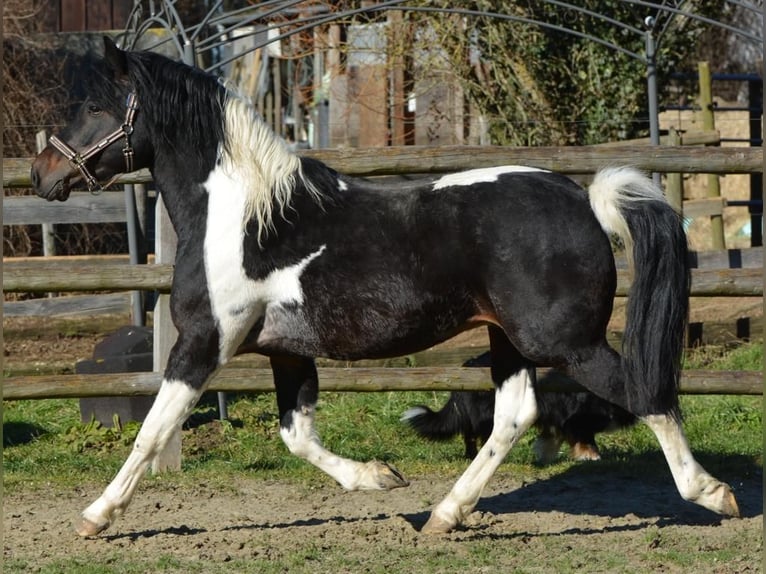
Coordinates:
732 357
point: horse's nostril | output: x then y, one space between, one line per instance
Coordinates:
35 178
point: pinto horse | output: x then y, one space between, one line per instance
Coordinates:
283 256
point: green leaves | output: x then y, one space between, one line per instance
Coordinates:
96 437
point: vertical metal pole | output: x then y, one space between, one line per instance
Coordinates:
131 216
755 103
188 55
651 84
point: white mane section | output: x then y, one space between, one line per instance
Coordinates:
259 160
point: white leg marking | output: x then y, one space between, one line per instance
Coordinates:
173 404
693 482
302 440
168 458
515 411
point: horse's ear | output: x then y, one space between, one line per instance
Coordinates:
115 57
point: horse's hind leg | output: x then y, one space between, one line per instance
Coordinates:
296 382
693 482
515 411
602 373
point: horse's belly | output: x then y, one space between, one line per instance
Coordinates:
356 333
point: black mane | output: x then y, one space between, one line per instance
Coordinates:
186 104
183 105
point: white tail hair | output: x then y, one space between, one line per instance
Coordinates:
612 190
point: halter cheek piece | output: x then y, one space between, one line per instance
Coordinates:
77 159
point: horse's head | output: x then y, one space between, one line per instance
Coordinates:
104 139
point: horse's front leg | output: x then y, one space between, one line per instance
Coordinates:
296 383
191 363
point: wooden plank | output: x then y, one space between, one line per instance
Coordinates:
703 207
64 261
341 380
73 305
369 93
81 207
49 16
749 258
98 15
397 160
570 160
16 174
120 12
87 277
73 16
727 283
35 278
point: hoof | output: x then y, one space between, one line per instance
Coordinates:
437 525
386 476
582 451
86 528
728 504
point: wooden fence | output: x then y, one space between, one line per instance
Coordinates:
23 275
444 159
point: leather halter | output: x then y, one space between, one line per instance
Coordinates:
77 159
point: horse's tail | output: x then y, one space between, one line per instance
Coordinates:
630 205
436 425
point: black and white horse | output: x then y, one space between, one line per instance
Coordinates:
283 256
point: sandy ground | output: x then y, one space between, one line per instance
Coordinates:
589 516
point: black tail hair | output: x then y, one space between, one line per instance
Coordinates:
627 203
436 425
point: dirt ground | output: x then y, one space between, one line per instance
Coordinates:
588 518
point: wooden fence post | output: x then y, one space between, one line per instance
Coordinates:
165 333
708 123
49 234
674 187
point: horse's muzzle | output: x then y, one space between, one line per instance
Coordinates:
51 177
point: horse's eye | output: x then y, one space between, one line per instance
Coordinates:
94 110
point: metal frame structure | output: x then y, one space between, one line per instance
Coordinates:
190 41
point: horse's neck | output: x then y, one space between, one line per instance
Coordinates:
184 198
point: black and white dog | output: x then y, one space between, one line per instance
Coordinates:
571 417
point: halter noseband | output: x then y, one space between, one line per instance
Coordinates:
77 160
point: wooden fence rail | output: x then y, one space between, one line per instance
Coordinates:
32 277
358 379
81 207
418 159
